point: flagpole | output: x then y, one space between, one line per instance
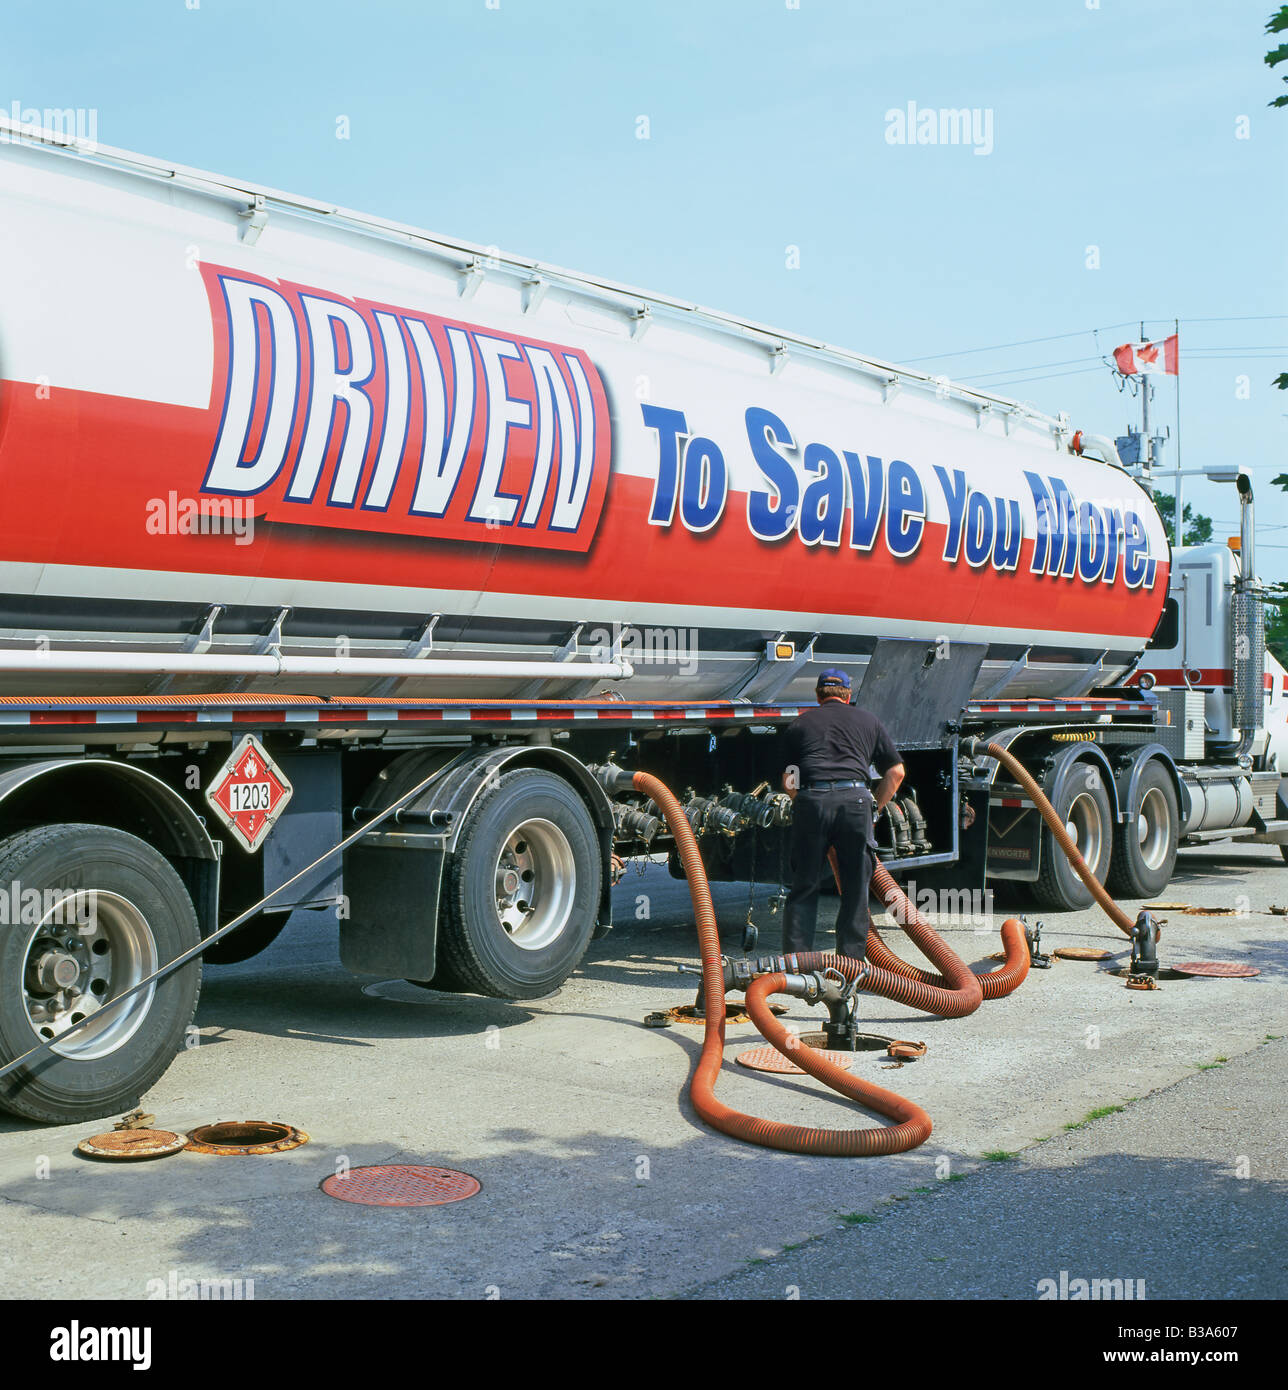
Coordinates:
1176 329
1147 448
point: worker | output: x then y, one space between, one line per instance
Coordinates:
830 753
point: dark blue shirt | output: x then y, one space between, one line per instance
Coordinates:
836 742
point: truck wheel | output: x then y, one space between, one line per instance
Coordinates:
1145 844
1084 807
98 910
522 892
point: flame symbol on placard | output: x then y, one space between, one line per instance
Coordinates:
252 767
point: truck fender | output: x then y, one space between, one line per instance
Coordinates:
468 775
1129 774
1064 768
174 827
119 794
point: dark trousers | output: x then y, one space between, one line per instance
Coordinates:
840 820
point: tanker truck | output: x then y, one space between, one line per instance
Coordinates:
343 568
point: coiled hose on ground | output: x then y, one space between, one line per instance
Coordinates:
996 984
959 994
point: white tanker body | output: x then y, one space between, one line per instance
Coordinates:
219 405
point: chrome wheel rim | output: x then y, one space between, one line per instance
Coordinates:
536 880
1084 825
86 949
1154 829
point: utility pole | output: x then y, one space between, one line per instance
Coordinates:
1144 451
1147 444
1180 503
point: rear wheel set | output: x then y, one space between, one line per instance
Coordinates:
1083 805
521 895
1145 843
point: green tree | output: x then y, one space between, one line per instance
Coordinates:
1276 24
1198 528
1277 623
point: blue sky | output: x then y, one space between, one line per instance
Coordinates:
1115 125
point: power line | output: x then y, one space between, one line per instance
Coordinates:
1199 354
1050 376
1026 342
1036 367
1103 328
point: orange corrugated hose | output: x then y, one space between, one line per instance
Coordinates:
1048 813
951 992
960 993
995 984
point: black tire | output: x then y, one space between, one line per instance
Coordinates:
1084 797
559 850
1145 844
131 913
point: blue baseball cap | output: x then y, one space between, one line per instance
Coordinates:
832 676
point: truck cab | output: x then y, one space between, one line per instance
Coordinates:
1196 648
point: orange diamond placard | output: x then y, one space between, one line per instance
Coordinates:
249 793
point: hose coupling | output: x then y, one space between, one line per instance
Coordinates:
1144 944
630 823
612 778
1033 937
738 974
834 988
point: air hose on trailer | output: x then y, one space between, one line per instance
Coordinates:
959 994
1144 931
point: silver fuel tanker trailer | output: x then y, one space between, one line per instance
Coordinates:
339 560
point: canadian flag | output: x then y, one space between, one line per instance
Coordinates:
1138 359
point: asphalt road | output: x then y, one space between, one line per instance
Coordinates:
598 1181
1122 1198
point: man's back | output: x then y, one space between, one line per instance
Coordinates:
836 742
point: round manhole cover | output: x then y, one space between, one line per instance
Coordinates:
132 1143
770 1059
1229 969
1082 953
401 1185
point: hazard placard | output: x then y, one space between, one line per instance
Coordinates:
249 793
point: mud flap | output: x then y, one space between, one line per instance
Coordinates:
392 885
